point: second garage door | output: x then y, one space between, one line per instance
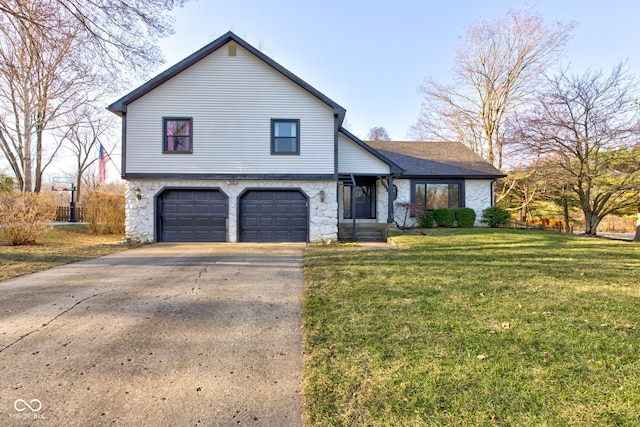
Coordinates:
273 216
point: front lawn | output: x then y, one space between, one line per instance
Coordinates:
60 245
475 327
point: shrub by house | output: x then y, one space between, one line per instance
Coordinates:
445 217
105 212
495 216
465 217
427 220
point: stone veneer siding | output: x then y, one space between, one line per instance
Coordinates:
141 216
478 195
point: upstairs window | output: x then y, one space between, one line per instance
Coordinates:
285 136
177 135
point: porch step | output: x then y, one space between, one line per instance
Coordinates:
365 232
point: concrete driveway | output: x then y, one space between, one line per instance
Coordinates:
164 335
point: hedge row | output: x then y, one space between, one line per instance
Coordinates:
445 217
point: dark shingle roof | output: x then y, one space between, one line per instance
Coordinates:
436 159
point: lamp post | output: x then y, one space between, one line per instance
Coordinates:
72 205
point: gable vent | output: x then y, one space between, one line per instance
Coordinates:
233 48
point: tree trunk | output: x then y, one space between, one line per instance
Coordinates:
38 169
523 209
499 150
591 222
27 168
78 184
565 209
490 153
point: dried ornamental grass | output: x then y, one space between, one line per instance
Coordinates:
105 212
25 216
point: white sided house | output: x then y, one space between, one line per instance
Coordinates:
229 146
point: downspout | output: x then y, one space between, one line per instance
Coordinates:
336 171
338 202
493 195
335 148
124 146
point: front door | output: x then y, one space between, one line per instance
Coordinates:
365 201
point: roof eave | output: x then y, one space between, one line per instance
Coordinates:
455 176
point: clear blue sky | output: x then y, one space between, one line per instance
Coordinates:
370 56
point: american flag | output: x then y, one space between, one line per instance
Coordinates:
102 171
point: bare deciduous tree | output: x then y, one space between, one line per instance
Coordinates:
60 55
378 134
496 71
519 189
89 129
588 126
117 32
42 79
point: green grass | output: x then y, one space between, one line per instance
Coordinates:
475 327
61 245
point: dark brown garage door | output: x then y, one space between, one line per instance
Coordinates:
192 216
273 216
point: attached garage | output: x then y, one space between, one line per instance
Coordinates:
273 216
192 215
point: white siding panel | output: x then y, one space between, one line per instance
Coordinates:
354 159
232 100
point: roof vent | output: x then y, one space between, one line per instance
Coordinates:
233 48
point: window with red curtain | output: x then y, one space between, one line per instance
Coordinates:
177 135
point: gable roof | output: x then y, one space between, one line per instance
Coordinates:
120 106
436 159
394 168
